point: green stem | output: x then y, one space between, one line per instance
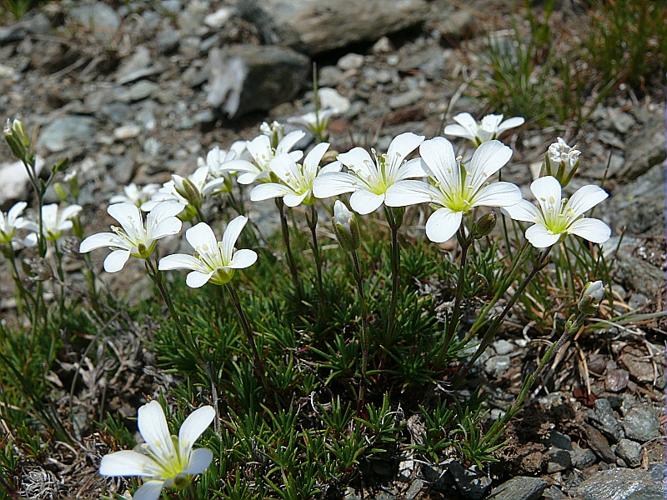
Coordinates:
247 329
312 224
456 311
21 301
395 271
288 249
364 328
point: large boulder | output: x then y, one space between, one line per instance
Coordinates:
314 26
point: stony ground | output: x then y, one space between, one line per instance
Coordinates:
137 91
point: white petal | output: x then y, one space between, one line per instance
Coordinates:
65 225
334 166
14 212
70 211
590 229
511 123
284 167
238 166
201 236
167 227
540 237
547 191
438 155
163 210
179 261
128 215
49 215
459 131
127 463
198 178
498 194
358 160
153 428
288 142
100 240
409 192
442 225
243 258
487 160
260 149
402 146
115 261
585 198
411 169
296 155
248 177
267 191
333 184
200 459
231 234
150 490
523 211
467 122
294 200
364 202
193 427
195 279
313 159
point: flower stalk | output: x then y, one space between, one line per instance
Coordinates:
358 278
312 217
288 249
394 219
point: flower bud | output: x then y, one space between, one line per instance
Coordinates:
591 296
188 190
16 138
274 131
484 225
346 227
60 191
562 158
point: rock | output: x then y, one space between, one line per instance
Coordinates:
136 67
471 484
582 457
604 419
621 484
382 46
14 180
67 131
455 25
415 489
632 271
558 460
642 424
620 120
599 444
350 61
313 27
217 19
126 132
139 91
497 365
630 452
637 364
503 347
36 23
637 302
616 380
519 488
405 99
97 17
560 440
554 493
167 40
329 76
247 78
647 149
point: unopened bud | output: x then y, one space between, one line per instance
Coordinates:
60 191
591 296
484 225
564 159
189 191
346 227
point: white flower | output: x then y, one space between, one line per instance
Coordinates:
369 178
273 130
213 261
490 128
557 217
163 460
457 187
10 222
190 190
132 194
217 158
133 238
346 227
262 153
296 180
331 103
55 221
560 152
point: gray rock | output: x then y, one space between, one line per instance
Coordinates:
139 91
470 484
641 423
497 365
405 99
616 380
350 61
630 451
558 460
455 25
67 131
582 457
167 40
599 444
519 488
622 484
620 120
604 419
329 76
312 27
14 180
98 17
560 440
503 347
632 271
12 33
136 67
217 19
647 148
247 78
